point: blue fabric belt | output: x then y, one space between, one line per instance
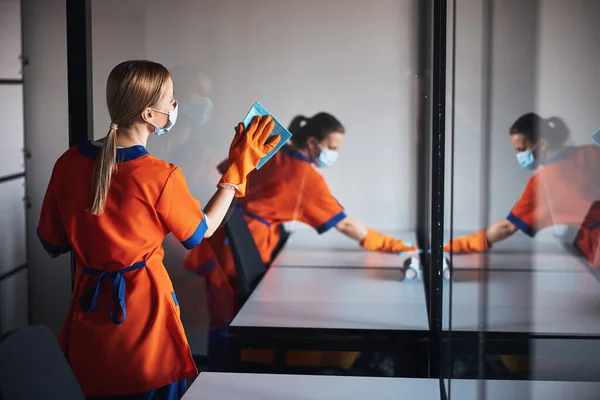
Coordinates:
254 216
89 301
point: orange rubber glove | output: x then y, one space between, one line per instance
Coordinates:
247 148
474 243
376 241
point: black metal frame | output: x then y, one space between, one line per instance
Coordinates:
438 141
79 67
360 340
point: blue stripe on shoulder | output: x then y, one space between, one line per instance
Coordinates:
197 236
333 221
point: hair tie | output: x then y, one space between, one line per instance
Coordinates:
113 126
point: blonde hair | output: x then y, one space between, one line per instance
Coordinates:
132 86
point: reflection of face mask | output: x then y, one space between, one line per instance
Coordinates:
172 119
199 109
326 158
527 160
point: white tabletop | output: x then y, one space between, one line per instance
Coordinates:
354 298
539 303
332 249
520 252
308 387
522 390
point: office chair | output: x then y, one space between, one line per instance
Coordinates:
249 266
32 366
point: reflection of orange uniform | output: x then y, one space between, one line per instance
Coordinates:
287 188
565 191
123 333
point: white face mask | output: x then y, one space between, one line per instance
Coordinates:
172 119
326 157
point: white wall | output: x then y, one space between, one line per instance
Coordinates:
512 94
354 59
568 80
47 137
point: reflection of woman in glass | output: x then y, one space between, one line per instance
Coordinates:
287 188
563 191
185 146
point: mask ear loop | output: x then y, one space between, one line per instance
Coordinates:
312 156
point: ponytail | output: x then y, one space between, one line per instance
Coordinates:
103 169
558 132
298 122
534 127
318 127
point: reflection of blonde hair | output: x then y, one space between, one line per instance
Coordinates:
194 82
132 86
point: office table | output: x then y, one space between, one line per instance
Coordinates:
307 248
521 253
538 304
550 316
308 387
522 390
356 307
331 298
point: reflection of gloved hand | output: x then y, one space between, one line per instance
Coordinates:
376 241
474 243
247 148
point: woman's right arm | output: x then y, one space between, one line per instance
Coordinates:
482 240
527 213
216 208
183 214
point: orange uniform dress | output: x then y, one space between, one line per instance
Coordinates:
287 188
123 333
565 191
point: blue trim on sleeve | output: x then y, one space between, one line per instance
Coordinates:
175 299
519 223
50 248
205 268
254 216
331 223
197 236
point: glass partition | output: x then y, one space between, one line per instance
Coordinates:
357 61
521 200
